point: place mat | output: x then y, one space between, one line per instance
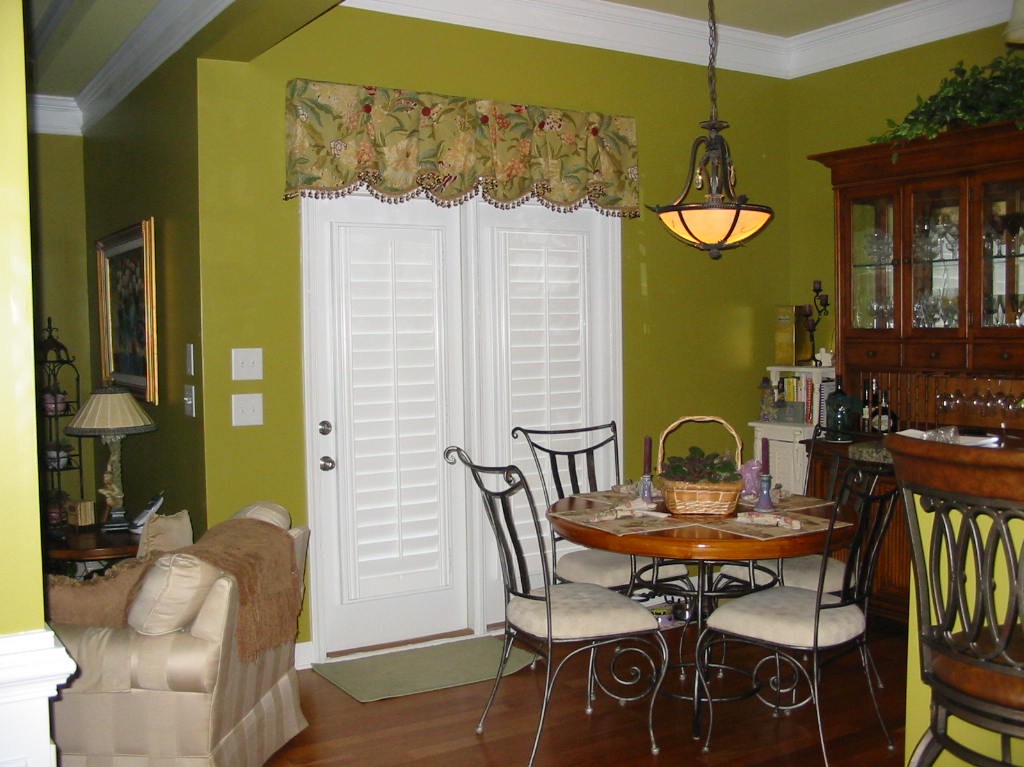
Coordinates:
808 525
621 514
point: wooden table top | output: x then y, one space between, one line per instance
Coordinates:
90 543
696 542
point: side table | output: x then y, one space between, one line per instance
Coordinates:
88 544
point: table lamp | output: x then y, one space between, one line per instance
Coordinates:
110 413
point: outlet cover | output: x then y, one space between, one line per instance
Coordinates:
246 409
247 364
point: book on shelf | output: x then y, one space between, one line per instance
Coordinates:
828 386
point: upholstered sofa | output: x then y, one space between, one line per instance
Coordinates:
202 672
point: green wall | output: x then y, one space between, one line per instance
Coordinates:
140 161
61 257
20 567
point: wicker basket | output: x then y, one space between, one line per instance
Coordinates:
713 498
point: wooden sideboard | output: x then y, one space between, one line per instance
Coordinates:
892 578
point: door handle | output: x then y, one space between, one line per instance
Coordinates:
326 463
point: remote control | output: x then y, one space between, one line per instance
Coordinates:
148 510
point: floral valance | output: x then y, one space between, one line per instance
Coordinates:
401 144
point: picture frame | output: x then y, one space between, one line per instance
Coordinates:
125 271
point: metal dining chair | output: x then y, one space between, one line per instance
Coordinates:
965 514
802 630
543 614
567 462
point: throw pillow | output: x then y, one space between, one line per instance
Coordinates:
165 532
100 601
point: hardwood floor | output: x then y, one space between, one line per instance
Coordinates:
439 728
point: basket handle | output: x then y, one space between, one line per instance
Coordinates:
698 419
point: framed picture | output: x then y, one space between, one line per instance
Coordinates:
125 268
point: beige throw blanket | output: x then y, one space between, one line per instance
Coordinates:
261 557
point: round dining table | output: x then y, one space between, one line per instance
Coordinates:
706 542
699 542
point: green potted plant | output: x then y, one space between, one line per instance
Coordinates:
971 96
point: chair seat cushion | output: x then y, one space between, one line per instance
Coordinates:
803 572
610 569
785 616
580 611
605 568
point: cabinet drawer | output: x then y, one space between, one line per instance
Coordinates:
1004 356
947 356
872 354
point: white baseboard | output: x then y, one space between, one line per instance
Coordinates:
304 655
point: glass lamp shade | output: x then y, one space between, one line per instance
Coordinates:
110 410
714 228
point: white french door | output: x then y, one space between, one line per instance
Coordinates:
424 327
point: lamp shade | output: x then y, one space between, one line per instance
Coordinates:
110 410
711 227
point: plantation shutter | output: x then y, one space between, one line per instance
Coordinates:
392 282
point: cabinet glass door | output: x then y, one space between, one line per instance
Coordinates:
1003 255
871 263
935 258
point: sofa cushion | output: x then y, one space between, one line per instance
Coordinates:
166 532
266 511
100 601
171 594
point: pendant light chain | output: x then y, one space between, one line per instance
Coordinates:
713 46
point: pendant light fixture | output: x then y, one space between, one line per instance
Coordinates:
722 220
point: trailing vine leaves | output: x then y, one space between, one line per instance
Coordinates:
975 96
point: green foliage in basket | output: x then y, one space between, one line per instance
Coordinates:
699 466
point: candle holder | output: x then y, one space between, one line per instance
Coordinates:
764 501
645 488
812 316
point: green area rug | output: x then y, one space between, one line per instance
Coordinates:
391 675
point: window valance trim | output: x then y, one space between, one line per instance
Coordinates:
401 144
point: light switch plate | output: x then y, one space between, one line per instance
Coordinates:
246 409
190 400
247 364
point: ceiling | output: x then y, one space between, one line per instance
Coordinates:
76 44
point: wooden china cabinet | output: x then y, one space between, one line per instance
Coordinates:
930 280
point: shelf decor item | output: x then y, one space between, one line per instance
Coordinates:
126 271
700 483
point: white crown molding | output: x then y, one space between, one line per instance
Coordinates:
894 29
601 24
58 115
170 25
593 23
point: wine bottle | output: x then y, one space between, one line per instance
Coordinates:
882 420
873 406
865 407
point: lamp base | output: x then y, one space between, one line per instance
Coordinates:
116 522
